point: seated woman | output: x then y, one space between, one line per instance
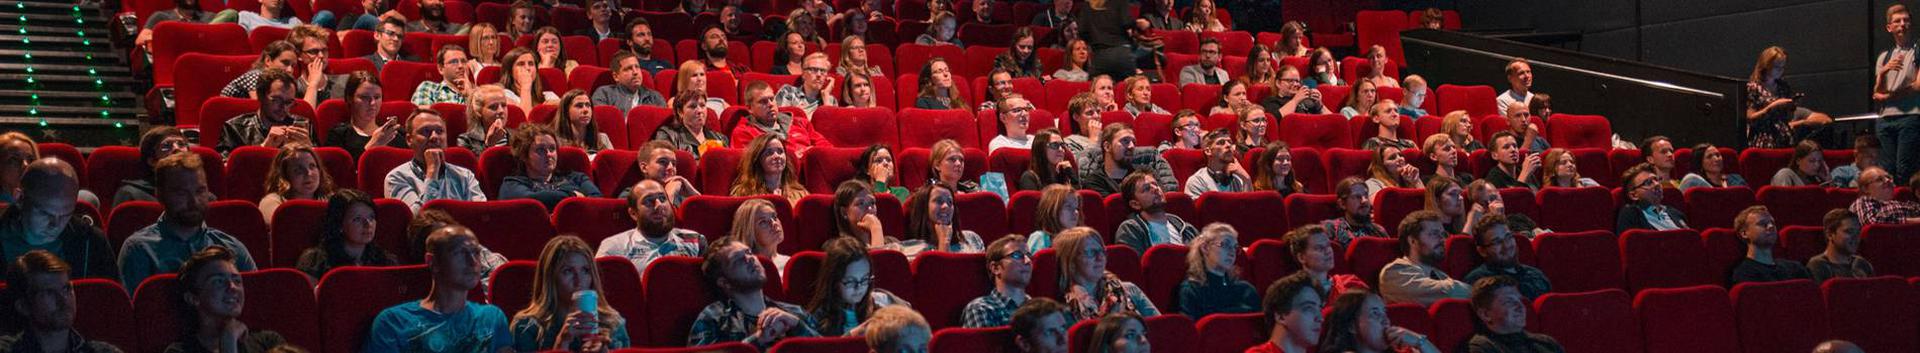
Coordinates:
282 55
937 90
1088 290
948 167
537 175
859 88
1075 68
1048 164
940 31
1274 170
1809 167
212 293
1444 197
1710 170
1562 172
1459 126
486 120
693 78
855 215
549 47
1213 284
521 78
875 167
931 219
1311 249
1122 332
1057 211
1377 62
1359 323
687 129
1139 90
573 122
853 58
1233 99
1360 101
555 319
844 295
346 236
1022 58
757 225
764 170
364 129
1389 169
296 174
1323 69
788 54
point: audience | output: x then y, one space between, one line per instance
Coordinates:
296 174
843 295
1809 167
1446 156
521 18
1011 266
855 215
1376 70
1121 332
687 129
182 230
1444 196
1083 123
897 328
1309 248
764 169
639 41
273 13
1657 151
1207 71
45 218
1213 283
387 40
1361 100
1416 93
1292 96
937 88
756 224
536 174
1149 224
1275 171
155 144
43 302
1842 257
1322 69
940 31
1356 214
487 117
1756 229
1876 204
346 236
1358 322
1292 313
483 39
763 120
547 43
1774 119
1102 166
278 55
1102 90
1495 242
1458 125
743 312
1563 173
875 167
1416 277
1527 134
1643 209
692 77
655 233
1223 172
860 92
600 14
1201 17
1140 97
1502 315
629 88
433 19
1866 153
445 321
1710 170
1514 166
1386 116
428 176
1057 211
854 59
932 219
1390 169
454 82
1040 326
1234 99
1519 84
1014 116
213 294
1087 288
274 124
948 167
1022 58
1186 132
567 281
361 131
810 92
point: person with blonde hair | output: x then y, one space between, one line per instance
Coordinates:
1893 87
486 119
1058 210
1386 118
1445 155
1561 171
297 173
757 225
1140 96
948 165
941 30
1416 91
1390 169
1774 118
765 168
1213 284
484 41
692 77
555 319
1377 62
1458 125
897 328
1087 288
854 59
813 89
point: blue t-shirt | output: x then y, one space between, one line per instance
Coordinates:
407 327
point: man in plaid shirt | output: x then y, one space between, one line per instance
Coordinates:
655 235
744 313
1011 266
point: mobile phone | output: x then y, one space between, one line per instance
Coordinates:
303 122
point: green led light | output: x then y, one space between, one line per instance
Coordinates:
20 5
75 8
86 42
35 111
91 71
36 96
103 97
29 69
23 18
98 82
79 20
29 55
26 40
103 114
116 125
29 79
23 30
43 122
81 33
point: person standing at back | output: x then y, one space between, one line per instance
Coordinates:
1895 92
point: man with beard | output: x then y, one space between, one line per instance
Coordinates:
654 235
1150 224
433 19
42 219
1416 277
1495 242
182 230
713 52
812 92
1503 312
274 124
1103 166
41 296
1356 215
1756 228
428 176
444 321
640 42
1011 267
744 313
1223 172
1842 257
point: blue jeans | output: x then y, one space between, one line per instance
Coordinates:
1900 140
326 19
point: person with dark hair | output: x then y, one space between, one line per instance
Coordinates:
655 234
454 82
1519 82
40 297
813 89
1022 58
43 218
1015 113
428 176
433 19
1292 95
639 41
1213 284
1513 166
346 236
1223 172
844 295
1274 170
743 312
1416 277
387 41
1049 165
211 286
1040 326
1710 169
1291 310
1119 333
444 321
1866 153
1502 315
296 173
1756 229
687 129
1643 209
1102 166
1011 266
937 87
933 218
182 230
364 128
155 144
1842 256
536 174
274 124
1149 224
1809 167
762 119
602 15
875 167
1358 322
1495 242
1207 71
765 169
712 52
555 319
856 216
573 124
629 87
1356 214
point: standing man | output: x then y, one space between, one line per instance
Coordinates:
1894 88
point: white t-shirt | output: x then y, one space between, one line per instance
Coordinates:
1003 141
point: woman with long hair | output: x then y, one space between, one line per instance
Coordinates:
1774 119
282 55
765 169
536 174
937 89
1809 167
859 91
1443 196
554 320
363 129
875 167
948 167
346 236
1562 171
932 217
1075 67
844 295
1293 40
757 224
296 174
1086 287
1361 101
788 54
1710 170
1233 98
855 214
1203 17
1262 68
1322 69
1254 123
1058 210
692 77
1275 171
574 123
854 59
1213 284
483 47
1120 333
1358 322
522 81
940 30
1459 126
1022 58
547 42
1389 169
687 129
1049 164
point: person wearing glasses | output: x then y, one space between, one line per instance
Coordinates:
1086 287
1186 132
274 124
392 30
1502 312
1011 266
1213 284
1013 124
1291 96
1208 70
843 295
811 92
157 143
1876 204
1495 242
1643 209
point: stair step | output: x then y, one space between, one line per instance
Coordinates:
77 69
46 6
13 27
22 110
102 58
37 19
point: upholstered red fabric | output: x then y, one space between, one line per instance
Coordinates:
1231 333
1253 214
1782 317
920 128
1580 261
592 218
1452 322
912 165
713 214
1891 246
1789 205
1476 100
129 217
1162 269
1392 204
824 168
1579 131
945 282
1572 209
1594 321
1716 207
1686 319
1876 313
858 127
101 298
972 340
1322 131
517 229
350 297
1664 259
1366 256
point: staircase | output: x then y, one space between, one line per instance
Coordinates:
61 78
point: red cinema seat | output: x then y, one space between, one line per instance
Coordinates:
243 221
1580 261
824 168
1117 211
1251 213
109 165
1683 161
1876 313
1579 131
1594 321
1891 247
1232 43
945 282
1452 322
1163 268
989 123
511 286
1343 163
1476 100
249 165
813 221
913 165
1366 256
215 71
280 294
1593 163
615 170
1801 242
496 164
1183 161
845 344
858 127
1665 259
1779 317
920 128
1174 331
712 214
171 41
66 153
1791 205
1687 319
972 340
1716 207
1012 163
644 119
1362 127
1724 250
299 228
129 217
96 299
676 291
1304 209
1269 260
400 78
718 166
1149 128
1572 209
978 59
1761 163
1059 93
728 347
1393 204
1044 281
621 282
983 213
1382 28
592 218
517 229
350 297
1321 131
1231 333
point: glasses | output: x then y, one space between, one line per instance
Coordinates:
315 51
857 282
815 70
1026 109
1057 145
1290 80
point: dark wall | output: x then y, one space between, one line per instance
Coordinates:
1830 43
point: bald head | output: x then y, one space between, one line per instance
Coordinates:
49 177
1837 346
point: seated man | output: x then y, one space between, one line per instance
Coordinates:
1643 209
1011 267
629 87
272 14
1103 166
999 85
812 91
658 162
1207 71
444 321
1386 118
1842 257
1417 278
1150 224
274 124
182 230
896 328
158 142
1513 166
42 219
211 286
655 234
428 176
1039 326
433 19
1756 228
388 38
744 313
1520 83
1356 215
454 83
1501 309
1292 316
1495 242
763 119
1520 123
1223 172
44 302
640 42
600 14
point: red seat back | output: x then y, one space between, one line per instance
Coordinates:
676 291
1876 313
1688 319
1664 259
945 282
350 297
813 221
173 39
913 165
1305 208
1594 321
1231 333
299 227
1162 269
131 216
1761 163
972 340
400 78
1476 100
1562 210
1579 131
517 229
712 214
1366 256
511 286
1580 261
846 344
1393 204
214 71
920 128
96 301
1779 317
592 219
1791 205
1322 131
858 127
1891 246
1251 213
